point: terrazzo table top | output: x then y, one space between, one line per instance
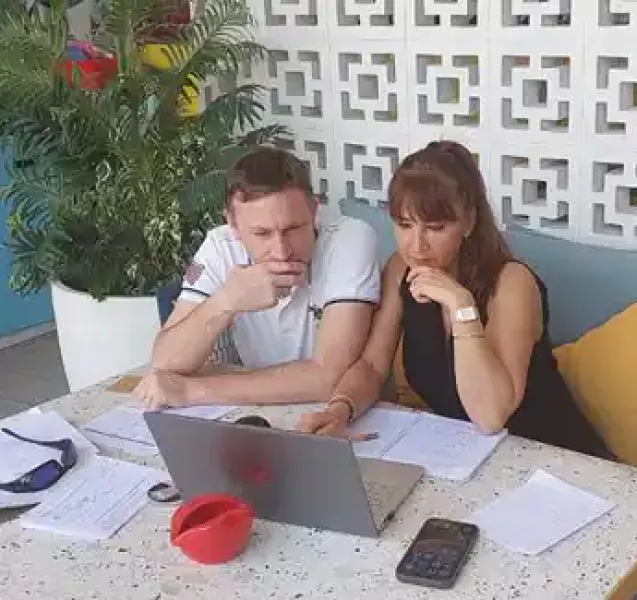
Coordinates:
294 563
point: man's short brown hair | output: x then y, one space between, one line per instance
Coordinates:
265 170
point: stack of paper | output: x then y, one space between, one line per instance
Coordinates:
18 458
124 428
446 448
97 504
539 514
92 500
390 425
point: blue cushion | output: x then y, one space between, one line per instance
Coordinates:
586 284
166 296
378 218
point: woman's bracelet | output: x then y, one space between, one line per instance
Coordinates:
344 399
474 334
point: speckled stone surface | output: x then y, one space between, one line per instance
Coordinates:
293 563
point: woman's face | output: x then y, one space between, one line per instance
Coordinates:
431 244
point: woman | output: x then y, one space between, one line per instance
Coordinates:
474 321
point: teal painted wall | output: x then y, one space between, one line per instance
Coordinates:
17 312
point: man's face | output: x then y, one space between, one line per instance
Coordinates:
278 227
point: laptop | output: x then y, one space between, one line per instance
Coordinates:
286 476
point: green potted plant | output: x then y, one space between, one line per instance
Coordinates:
115 180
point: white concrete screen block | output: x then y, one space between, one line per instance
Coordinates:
368 166
536 94
537 13
543 92
446 13
284 20
298 88
448 89
300 13
368 19
609 215
617 12
370 86
538 189
616 94
315 149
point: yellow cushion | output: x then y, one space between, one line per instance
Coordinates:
600 368
563 354
626 587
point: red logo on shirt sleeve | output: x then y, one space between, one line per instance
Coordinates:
193 272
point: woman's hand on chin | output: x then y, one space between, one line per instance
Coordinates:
428 283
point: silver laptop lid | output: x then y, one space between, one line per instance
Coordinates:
287 477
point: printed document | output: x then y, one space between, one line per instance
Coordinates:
96 505
539 514
446 448
18 457
124 428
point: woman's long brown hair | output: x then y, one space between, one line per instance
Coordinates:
440 183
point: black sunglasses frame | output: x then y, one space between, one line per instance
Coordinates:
25 484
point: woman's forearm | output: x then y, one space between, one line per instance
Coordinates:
361 384
482 382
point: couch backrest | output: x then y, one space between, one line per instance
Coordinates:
586 284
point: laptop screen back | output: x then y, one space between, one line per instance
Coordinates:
287 477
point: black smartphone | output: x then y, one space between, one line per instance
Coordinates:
437 554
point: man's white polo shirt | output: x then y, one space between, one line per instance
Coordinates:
344 268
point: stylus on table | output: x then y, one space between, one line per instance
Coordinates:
364 437
354 437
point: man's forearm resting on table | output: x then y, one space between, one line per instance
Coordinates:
294 382
185 346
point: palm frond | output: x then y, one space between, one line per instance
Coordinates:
113 189
238 107
31 202
33 88
216 43
127 23
31 259
28 49
264 135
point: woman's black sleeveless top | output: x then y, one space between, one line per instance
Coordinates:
547 412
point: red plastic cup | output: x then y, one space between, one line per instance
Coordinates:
212 529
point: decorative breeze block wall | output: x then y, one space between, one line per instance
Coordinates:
543 92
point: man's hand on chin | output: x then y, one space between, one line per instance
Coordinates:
164 389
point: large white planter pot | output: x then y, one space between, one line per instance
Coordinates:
102 339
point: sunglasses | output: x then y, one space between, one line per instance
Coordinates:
45 475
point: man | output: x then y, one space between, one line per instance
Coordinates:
295 291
